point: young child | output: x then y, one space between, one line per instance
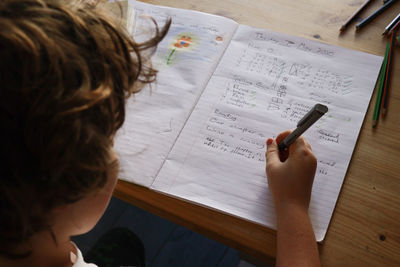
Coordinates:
65 72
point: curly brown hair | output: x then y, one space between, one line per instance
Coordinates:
65 72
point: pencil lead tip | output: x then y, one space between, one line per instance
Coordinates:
374 123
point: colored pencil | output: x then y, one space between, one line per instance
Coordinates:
350 19
388 72
381 80
391 24
394 27
375 14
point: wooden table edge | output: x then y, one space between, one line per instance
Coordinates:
252 239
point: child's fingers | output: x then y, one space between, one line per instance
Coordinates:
283 155
300 144
272 153
301 150
282 136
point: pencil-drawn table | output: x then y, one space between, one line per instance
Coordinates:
365 227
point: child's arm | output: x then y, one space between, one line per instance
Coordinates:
290 178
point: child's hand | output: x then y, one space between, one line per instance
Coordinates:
290 173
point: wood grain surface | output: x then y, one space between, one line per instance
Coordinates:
365 227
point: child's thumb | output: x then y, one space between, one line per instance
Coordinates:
272 153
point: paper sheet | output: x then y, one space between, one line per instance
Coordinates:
264 84
186 58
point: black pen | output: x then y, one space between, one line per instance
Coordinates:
309 119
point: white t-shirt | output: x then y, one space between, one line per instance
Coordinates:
77 260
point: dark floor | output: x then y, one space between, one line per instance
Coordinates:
166 244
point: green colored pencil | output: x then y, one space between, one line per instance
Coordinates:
382 75
386 87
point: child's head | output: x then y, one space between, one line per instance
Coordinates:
65 72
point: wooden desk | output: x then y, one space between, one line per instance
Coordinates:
365 228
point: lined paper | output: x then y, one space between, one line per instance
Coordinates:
155 116
264 84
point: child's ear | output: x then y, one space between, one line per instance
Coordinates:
61 208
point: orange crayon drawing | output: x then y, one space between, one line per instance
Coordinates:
181 42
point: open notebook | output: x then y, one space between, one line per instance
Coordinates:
222 89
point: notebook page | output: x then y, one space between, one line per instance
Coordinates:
186 58
123 10
264 84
